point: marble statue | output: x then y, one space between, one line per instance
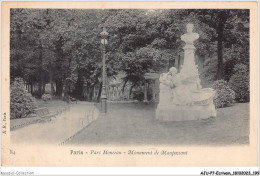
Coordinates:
181 95
165 87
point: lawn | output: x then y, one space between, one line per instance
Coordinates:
135 123
53 106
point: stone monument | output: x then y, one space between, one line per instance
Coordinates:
181 95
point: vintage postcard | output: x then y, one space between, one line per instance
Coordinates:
129 84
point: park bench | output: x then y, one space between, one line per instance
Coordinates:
45 114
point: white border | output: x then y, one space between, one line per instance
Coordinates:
126 170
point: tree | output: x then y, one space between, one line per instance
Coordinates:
57 45
137 45
222 21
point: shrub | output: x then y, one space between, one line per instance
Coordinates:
46 97
239 82
22 103
209 71
224 95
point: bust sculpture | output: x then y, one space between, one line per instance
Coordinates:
189 37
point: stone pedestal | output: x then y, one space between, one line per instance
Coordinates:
185 112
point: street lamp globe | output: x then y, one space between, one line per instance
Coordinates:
104 41
104 36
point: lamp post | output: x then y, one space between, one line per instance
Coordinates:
104 36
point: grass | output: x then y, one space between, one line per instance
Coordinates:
52 105
135 123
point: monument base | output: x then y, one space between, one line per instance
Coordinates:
185 112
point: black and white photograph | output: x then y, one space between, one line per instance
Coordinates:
153 76
130 77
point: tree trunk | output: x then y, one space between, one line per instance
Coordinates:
99 92
31 88
40 89
79 87
51 81
59 64
59 88
123 89
220 52
40 72
66 93
43 87
85 93
179 63
132 87
220 31
90 93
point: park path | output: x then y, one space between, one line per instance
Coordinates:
59 130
